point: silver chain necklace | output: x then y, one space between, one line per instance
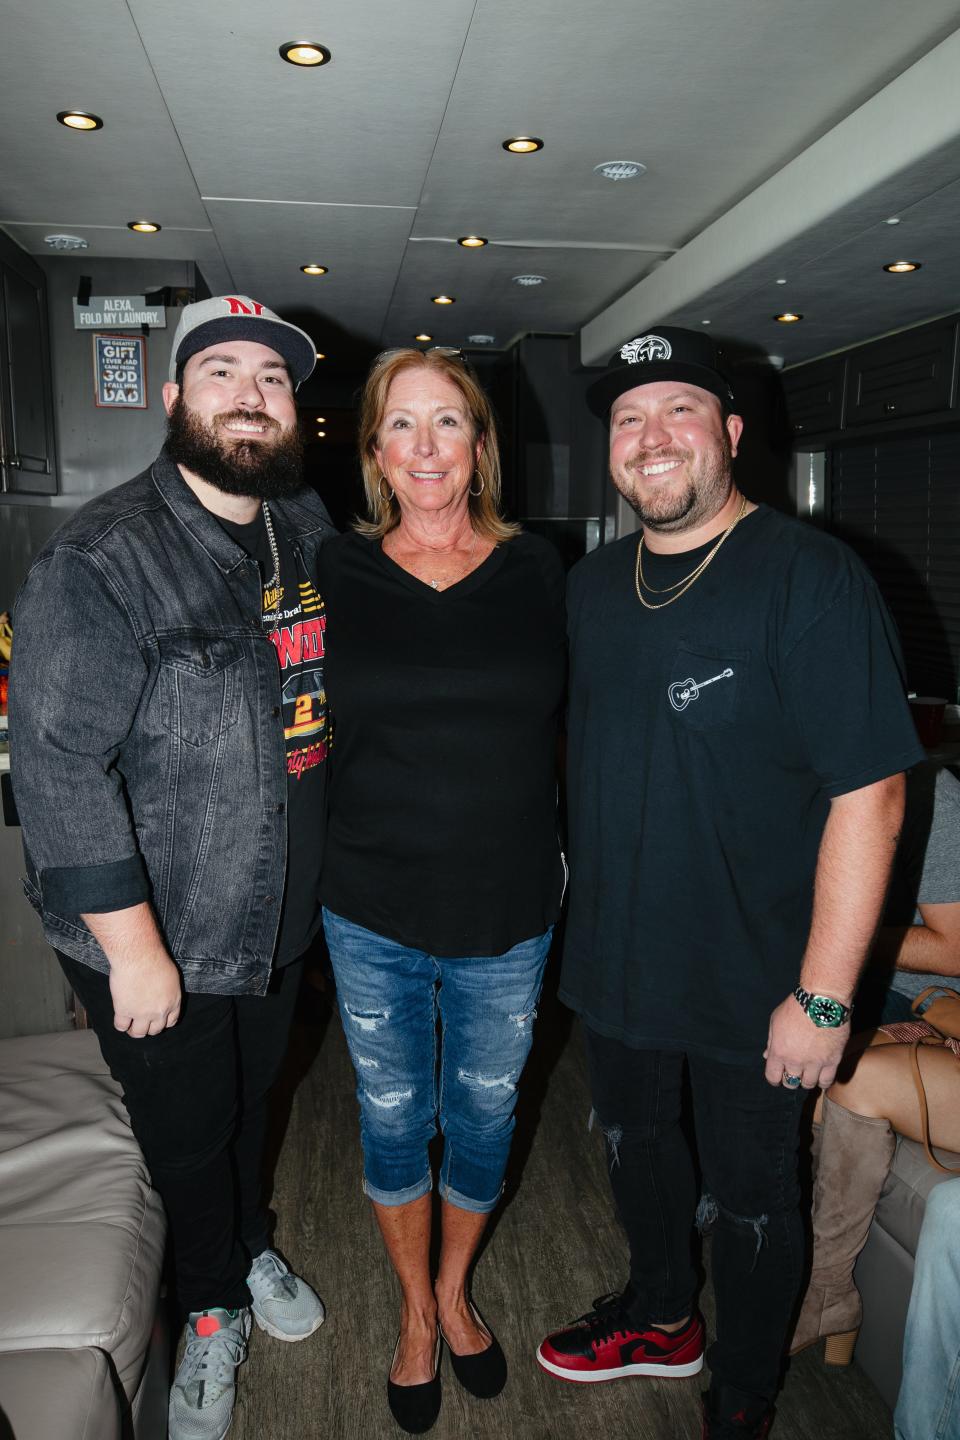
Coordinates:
274 580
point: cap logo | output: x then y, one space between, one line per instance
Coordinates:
646 347
241 307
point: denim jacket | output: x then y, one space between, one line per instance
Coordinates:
146 735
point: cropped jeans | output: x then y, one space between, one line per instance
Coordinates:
928 1407
747 1139
389 997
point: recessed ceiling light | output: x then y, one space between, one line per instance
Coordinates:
321 434
472 242
144 227
620 169
304 52
423 337
65 242
481 339
902 267
788 318
781 281
320 355
706 322
443 299
893 220
80 120
314 269
321 419
529 279
522 144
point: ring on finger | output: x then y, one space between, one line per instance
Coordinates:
791 1081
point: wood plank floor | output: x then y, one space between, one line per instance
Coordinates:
555 1245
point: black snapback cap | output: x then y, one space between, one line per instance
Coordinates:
665 354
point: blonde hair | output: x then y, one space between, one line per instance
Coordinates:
385 512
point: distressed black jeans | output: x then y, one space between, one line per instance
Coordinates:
747 1141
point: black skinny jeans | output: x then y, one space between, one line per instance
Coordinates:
197 1098
747 1139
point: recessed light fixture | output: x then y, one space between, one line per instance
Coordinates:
529 279
782 280
481 339
423 337
893 220
304 52
320 355
321 434
522 144
788 318
321 419
65 242
314 269
620 169
472 242
80 120
144 227
706 322
443 299
902 267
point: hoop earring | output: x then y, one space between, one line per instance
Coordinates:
385 498
475 493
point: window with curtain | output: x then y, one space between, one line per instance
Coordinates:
897 502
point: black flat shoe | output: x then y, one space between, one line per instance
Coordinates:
485 1374
416 1407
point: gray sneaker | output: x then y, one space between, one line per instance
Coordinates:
201 1400
283 1304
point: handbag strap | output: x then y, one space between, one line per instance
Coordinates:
924 1108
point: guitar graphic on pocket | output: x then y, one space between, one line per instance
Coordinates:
682 692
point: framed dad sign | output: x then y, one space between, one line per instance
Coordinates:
120 372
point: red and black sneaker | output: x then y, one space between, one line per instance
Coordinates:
605 1344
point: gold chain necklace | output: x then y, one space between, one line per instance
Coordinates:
681 586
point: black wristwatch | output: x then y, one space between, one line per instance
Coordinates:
821 1009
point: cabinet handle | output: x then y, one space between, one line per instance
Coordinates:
888 407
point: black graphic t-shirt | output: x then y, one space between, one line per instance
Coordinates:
296 612
706 740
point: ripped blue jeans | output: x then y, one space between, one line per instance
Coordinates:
389 997
747 1139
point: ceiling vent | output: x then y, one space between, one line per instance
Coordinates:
65 242
620 169
529 279
481 339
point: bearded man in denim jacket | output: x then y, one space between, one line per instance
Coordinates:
168 724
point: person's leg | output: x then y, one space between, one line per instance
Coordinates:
652 1328
386 995
748 1140
263 1034
488 1006
180 1090
881 1085
928 1406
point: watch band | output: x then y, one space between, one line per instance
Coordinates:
823 1010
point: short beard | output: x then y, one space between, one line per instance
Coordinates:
265 469
704 494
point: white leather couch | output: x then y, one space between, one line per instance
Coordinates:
83 1354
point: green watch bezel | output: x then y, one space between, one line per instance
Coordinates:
822 1010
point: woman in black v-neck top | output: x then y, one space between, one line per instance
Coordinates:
445 676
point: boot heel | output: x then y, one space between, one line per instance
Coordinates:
839 1348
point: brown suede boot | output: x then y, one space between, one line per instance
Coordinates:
855 1155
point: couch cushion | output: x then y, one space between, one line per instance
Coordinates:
904 1196
81 1231
58 1395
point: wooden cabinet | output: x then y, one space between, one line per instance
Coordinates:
27 458
902 375
814 396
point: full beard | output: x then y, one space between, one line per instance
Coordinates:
266 469
677 507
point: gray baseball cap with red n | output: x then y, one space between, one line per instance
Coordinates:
237 317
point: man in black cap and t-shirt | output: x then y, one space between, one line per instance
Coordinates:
168 756
737 733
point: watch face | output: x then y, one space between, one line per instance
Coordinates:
826 1012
